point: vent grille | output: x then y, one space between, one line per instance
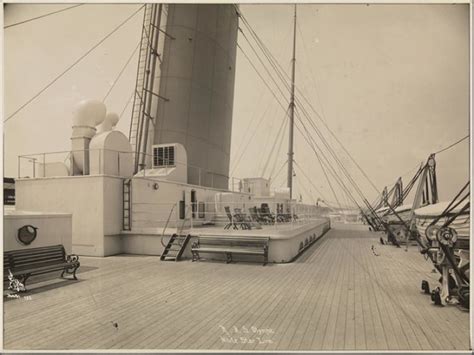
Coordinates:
163 156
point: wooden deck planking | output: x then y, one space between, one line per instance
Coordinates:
210 327
337 295
200 304
304 331
314 313
324 300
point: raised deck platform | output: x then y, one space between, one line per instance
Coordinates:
287 240
337 295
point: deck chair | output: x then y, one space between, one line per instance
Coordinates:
254 215
263 217
267 213
241 218
232 222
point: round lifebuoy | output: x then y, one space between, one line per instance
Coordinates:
27 234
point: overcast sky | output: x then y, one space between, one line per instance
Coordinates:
392 81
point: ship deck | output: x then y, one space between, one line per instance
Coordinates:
338 295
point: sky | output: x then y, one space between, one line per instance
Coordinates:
391 82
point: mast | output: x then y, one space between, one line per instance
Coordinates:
292 112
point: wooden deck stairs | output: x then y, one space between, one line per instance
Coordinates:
175 247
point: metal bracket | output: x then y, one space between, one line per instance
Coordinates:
158 96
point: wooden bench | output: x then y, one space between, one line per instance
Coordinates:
231 245
24 263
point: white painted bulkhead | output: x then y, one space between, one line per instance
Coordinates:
52 229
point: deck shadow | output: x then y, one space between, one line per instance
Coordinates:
51 276
234 262
304 256
348 234
48 287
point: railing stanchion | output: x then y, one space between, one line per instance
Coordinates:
44 165
177 216
19 164
191 204
292 212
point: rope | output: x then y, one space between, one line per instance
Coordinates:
42 16
451 205
73 65
461 211
121 72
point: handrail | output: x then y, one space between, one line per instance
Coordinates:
166 225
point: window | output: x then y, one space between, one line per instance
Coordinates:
163 156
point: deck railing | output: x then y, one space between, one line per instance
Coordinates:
199 214
42 165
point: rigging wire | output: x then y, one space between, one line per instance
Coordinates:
286 84
275 64
266 144
312 77
282 106
263 64
255 130
251 121
277 152
277 139
272 62
322 114
42 16
334 156
452 145
264 81
308 140
309 180
332 152
73 64
302 186
128 103
332 170
268 55
279 171
121 72
413 180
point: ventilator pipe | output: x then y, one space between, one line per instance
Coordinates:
110 121
87 114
